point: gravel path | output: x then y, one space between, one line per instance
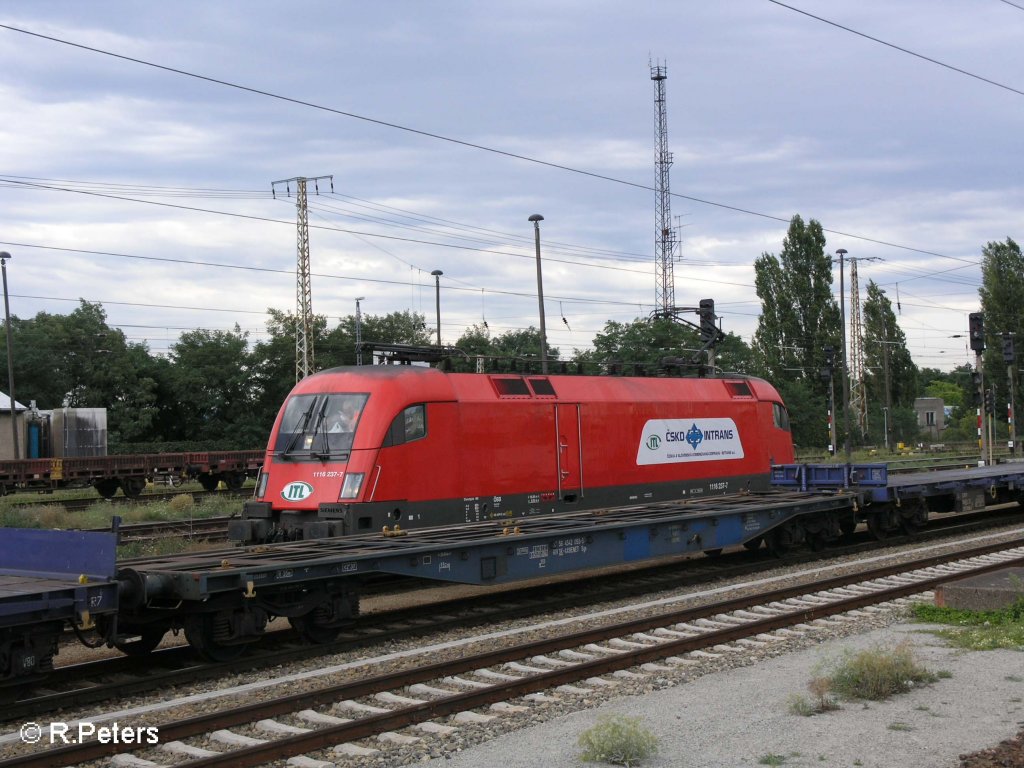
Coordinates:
740 716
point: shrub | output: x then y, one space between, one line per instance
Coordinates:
619 740
878 673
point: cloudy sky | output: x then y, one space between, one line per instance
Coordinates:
139 142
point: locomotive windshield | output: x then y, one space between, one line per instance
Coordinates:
319 426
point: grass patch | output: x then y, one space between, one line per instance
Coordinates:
869 675
100 514
878 673
821 699
771 759
618 740
977 630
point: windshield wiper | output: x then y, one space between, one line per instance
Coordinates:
320 429
298 432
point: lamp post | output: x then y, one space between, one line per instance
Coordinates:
437 301
4 256
841 253
359 332
537 219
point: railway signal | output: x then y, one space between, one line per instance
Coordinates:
708 329
976 327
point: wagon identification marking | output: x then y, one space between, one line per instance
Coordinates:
672 441
296 491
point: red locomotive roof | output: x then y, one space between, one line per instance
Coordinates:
421 384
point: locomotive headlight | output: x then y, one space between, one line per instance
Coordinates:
261 485
353 483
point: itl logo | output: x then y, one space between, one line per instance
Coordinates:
653 442
297 491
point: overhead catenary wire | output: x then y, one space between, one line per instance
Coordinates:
495 150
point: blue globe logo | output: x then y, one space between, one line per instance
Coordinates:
694 437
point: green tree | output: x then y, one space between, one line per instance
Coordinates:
891 377
1002 296
214 390
799 319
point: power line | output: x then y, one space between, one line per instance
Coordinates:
895 47
493 150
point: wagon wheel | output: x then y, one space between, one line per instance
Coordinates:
201 633
848 526
753 544
148 639
312 631
780 541
133 486
106 487
877 527
913 519
234 480
713 552
208 481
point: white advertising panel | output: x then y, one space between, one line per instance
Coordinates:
670 441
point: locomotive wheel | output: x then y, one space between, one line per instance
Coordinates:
133 486
311 631
106 487
201 631
208 481
148 639
847 527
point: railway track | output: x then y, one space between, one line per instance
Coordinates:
566 663
118 677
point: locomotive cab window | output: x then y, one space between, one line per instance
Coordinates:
780 416
319 426
409 425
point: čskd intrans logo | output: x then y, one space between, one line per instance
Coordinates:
653 442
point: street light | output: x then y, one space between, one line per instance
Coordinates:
359 332
437 301
537 219
841 253
4 256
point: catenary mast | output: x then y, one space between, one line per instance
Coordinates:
665 243
304 364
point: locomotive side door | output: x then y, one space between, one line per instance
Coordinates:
568 451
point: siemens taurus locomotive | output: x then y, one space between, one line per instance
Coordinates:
398 447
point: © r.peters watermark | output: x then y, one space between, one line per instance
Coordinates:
82 731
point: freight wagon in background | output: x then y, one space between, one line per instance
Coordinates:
67 448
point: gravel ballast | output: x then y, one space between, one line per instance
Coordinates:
741 716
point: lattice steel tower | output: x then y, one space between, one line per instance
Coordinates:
665 236
304 364
858 392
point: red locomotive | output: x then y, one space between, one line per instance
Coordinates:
360 448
